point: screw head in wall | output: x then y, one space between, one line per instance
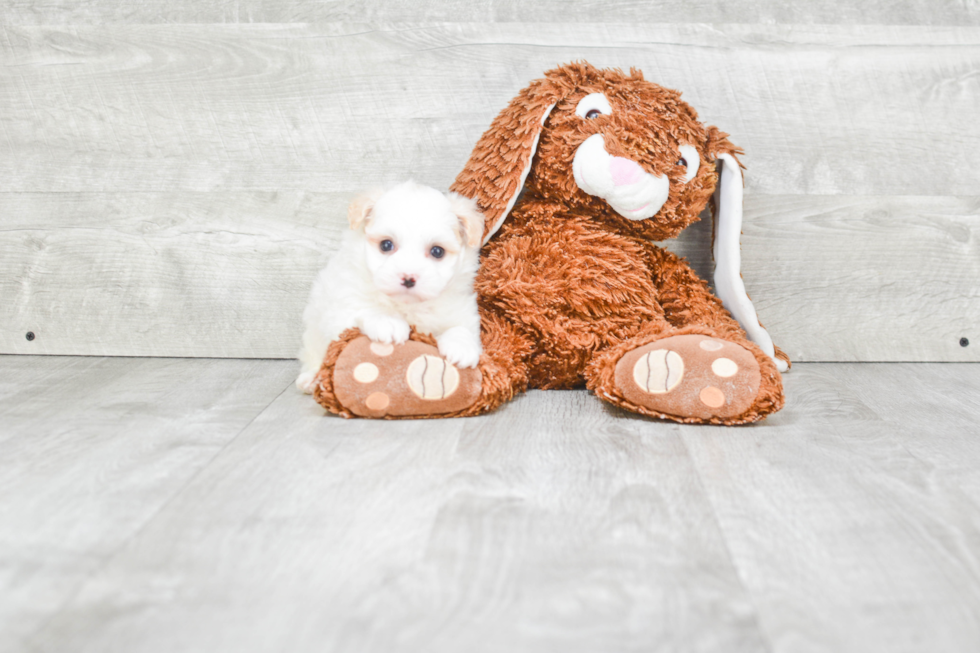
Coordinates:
30 336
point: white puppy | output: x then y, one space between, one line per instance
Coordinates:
409 259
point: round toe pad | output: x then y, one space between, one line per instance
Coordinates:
690 376
407 380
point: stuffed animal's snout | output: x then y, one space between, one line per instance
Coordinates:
630 190
408 281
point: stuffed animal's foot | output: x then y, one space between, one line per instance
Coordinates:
373 379
690 376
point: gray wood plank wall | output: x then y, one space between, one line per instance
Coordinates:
170 185
869 12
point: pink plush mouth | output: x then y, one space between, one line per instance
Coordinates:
641 208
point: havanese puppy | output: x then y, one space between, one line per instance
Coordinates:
409 260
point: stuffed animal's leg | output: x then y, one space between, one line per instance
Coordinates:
694 374
412 380
687 300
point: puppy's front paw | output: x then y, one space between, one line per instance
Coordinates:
385 328
460 347
305 382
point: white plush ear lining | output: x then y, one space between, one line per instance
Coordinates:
728 257
524 174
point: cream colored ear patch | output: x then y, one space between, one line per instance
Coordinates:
431 377
658 371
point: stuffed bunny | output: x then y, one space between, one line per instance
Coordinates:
577 178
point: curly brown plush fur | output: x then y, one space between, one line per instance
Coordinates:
567 285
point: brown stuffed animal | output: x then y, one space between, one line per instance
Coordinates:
572 289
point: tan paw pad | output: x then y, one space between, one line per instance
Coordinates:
408 380
690 376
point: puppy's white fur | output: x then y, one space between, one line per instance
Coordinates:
383 293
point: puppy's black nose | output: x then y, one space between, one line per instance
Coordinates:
408 282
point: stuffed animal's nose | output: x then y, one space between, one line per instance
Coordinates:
625 172
408 282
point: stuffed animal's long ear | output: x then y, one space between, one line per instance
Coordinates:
501 160
470 219
359 210
728 256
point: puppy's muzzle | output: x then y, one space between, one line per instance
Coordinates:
408 282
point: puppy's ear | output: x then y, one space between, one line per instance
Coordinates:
359 211
470 219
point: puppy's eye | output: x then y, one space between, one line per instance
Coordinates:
437 252
593 113
682 162
386 245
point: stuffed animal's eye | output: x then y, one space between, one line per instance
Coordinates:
691 160
386 245
592 106
437 252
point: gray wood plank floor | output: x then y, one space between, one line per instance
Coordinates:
204 505
92 449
